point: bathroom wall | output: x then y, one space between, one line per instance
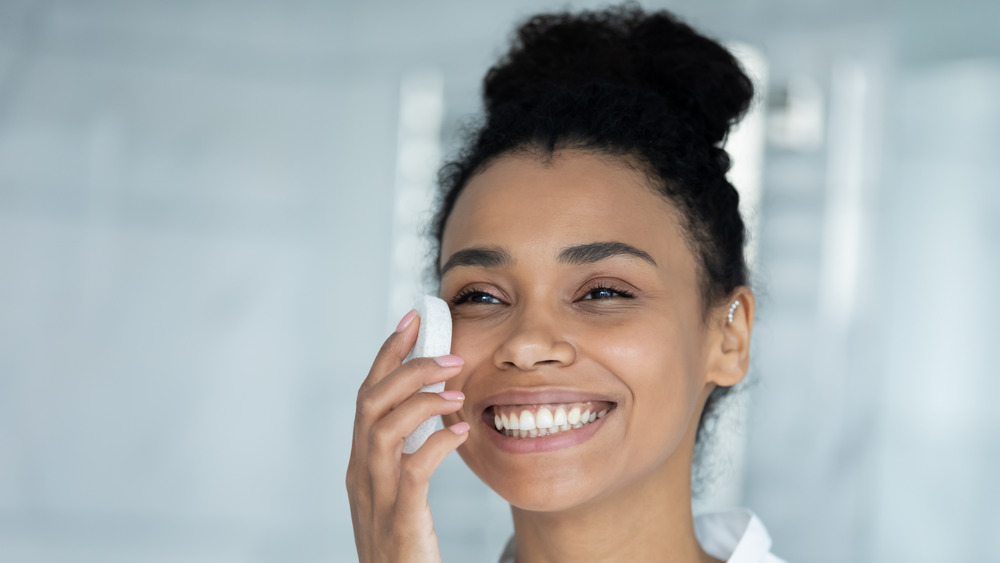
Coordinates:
196 241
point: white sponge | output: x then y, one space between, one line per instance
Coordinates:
434 339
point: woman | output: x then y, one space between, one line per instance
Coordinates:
591 250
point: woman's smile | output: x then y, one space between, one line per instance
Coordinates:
533 421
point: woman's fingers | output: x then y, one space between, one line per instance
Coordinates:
415 474
396 385
378 401
385 447
395 349
388 433
414 375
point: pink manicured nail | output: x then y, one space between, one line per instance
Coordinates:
407 319
459 428
449 361
453 395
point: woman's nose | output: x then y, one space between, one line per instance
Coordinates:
535 340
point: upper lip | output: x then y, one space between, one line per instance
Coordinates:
540 396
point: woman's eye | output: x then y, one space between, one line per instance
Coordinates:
478 297
606 293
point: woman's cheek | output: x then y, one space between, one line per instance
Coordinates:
463 343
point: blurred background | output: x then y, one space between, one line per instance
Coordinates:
209 219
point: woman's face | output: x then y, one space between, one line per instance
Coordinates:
572 287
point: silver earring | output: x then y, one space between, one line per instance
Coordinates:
732 309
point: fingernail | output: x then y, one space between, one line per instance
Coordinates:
459 428
407 319
453 395
449 361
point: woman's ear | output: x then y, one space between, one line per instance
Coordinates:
730 326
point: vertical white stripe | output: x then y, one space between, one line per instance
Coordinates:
746 145
418 155
843 221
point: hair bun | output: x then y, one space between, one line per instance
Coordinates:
654 53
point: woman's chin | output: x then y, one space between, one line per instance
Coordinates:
541 489
544 499
558 477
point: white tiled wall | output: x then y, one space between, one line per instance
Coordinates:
195 221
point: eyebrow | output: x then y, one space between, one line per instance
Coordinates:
482 257
597 251
577 255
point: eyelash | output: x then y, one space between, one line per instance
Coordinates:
623 293
465 295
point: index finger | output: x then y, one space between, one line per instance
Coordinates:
394 350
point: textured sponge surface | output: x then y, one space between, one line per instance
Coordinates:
434 339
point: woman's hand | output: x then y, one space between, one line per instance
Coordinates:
387 488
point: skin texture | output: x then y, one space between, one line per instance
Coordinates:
622 328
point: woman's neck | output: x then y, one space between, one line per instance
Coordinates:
649 520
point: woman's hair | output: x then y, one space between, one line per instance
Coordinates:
643 87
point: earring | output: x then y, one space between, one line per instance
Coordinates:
732 309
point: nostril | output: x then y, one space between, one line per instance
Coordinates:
528 356
534 337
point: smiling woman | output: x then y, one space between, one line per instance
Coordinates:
591 250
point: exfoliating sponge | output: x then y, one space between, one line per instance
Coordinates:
434 339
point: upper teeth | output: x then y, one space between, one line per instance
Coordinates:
534 421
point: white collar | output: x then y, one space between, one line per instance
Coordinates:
735 536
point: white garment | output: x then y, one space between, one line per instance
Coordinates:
734 536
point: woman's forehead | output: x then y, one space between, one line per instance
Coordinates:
522 202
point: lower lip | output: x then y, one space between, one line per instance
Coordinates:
552 442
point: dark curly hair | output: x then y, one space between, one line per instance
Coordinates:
644 87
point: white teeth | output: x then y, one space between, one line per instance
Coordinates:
574 416
560 418
544 418
527 421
